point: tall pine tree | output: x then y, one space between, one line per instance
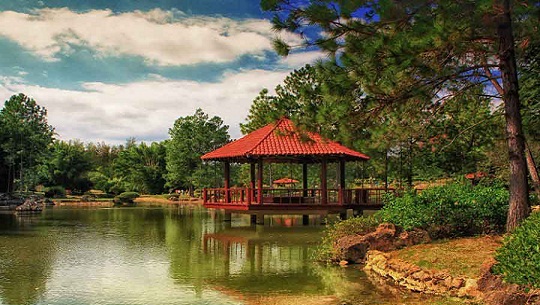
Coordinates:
424 52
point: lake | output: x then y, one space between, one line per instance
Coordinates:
173 255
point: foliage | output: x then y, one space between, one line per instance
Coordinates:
55 192
299 98
518 260
352 226
450 210
530 91
139 168
126 197
68 166
25 135
191 137
419 54
439 140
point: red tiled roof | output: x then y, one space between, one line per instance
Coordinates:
281 139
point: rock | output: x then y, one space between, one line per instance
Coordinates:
10 200
414 237
385 238
31 204
496 292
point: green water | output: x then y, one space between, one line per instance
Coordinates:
158 255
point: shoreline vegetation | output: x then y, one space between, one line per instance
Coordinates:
445 241
144 199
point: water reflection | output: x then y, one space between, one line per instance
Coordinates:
180 255
26 258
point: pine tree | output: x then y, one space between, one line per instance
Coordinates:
424 52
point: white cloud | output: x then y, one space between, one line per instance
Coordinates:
161 37
298 60
144 110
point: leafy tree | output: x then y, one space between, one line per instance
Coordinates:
457 133
422 52
298 97
26 136
69 165
102 175
191 137
140 168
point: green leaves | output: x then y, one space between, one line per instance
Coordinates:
281 47
449 211
518 260
25 136
69 165
191 137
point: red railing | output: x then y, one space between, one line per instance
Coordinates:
247 196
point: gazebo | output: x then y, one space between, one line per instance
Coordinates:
282 142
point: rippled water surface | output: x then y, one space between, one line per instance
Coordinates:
166 255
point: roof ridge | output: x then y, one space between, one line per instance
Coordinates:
267 135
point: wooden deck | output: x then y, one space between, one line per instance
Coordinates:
293 201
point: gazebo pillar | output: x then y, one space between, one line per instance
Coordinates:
251 191
324 184
304 180
260 181
341 180
227 183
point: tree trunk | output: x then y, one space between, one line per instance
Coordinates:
386 170
531 165
519 194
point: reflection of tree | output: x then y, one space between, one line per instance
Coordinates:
25 263
257 261
183 234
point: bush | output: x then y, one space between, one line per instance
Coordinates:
327 251
55 192
518 260
450 210
126 197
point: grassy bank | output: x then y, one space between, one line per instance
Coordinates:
164 199
459 257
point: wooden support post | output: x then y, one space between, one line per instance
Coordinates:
305 220
227 183
253 219
304 180
341 191
324 182
251 182
260 181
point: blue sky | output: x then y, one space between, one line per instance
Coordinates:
109 70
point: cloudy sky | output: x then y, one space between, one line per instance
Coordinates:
107 70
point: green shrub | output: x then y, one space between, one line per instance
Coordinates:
126 197
328 251
55 192
518 260
450 210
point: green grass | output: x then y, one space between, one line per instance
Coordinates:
459 257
